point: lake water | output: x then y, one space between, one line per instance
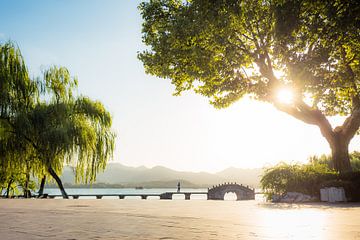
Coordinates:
229 196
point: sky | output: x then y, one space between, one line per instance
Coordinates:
98 41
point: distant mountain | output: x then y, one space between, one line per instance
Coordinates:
116 173
249 177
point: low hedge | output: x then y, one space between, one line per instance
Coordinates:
308 179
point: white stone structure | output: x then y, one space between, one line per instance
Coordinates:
332 194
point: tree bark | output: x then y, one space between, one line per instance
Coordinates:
340 154
42 185
27 193
8 188
338 138
58 181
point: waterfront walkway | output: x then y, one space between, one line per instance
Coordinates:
166 195
215 193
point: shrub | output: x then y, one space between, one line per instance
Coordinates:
306 178
352 189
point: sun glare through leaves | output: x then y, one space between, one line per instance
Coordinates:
285 96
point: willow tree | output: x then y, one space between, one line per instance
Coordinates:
230 48
18 95
17 164
45 117
70 130
12 167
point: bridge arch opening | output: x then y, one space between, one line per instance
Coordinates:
230 196
232 191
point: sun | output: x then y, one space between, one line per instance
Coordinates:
285 96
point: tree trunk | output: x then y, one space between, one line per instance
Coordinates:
8 188
58 181
26 186
42 185
340 154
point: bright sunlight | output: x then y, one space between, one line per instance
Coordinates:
285 96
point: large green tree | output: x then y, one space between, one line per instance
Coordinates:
45 125
65 129
18 95
14 166
226 49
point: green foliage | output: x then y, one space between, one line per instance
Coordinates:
225 49
14 176
305 178
17 91
309 179
326 160
59 84
44 124
355 160
350 181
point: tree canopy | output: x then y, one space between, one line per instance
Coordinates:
227 49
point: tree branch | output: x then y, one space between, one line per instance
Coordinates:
351 124
305 113
355 99
16 132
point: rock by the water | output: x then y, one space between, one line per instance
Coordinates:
276 198
295 197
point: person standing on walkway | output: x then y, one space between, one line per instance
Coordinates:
178 187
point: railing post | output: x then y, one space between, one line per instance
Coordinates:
166 195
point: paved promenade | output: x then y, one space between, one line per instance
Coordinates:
176 219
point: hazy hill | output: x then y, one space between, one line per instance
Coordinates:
244 176
159 176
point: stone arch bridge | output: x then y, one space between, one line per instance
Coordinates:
242 192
